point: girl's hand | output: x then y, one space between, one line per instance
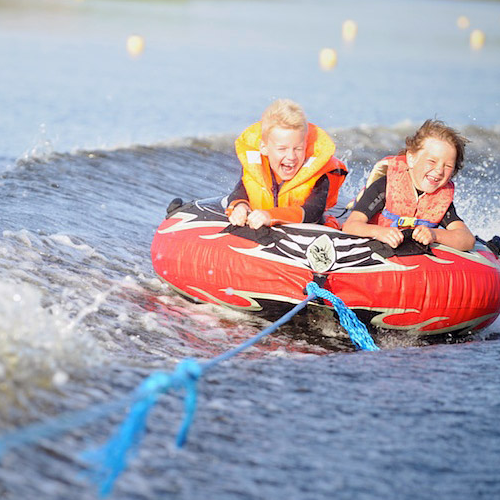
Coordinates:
424 235
390 235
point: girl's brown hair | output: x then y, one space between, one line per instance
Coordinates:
439 130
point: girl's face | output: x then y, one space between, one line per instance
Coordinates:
432 166
286 150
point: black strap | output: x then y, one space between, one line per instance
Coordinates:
408 247
174 206
320 280
338 171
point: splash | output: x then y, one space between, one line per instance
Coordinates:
40 347
42 147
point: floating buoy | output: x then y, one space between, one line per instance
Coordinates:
463 22
327 58
477 39
349 30
135 45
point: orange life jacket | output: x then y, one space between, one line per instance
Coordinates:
403 207
294 192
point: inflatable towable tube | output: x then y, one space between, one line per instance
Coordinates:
429 290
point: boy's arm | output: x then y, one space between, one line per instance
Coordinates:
285 215
238 195
239 206
315 205
312 210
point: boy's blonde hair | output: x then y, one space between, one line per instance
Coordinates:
283 113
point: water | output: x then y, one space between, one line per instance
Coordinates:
95 144
212 66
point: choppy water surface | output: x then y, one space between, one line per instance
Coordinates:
84 319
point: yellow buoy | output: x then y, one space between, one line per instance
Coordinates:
327 58
349 30
477 39
135 45
463 22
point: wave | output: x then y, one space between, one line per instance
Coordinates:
383 139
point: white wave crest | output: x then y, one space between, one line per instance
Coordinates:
40 347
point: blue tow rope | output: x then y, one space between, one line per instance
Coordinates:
356 330
111 459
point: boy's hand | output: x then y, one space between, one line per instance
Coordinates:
259 218
239 215
424 235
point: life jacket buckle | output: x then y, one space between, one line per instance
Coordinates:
407 221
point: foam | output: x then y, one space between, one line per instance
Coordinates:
40 347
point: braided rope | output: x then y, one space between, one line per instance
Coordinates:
356 330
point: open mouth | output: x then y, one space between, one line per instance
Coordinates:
433 180
287 168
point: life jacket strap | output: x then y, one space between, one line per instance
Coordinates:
398 221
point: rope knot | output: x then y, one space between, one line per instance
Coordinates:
187 370
312 288
111 459
154 385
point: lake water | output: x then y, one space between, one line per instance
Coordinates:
94 145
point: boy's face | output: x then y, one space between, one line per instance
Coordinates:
286 150
432 166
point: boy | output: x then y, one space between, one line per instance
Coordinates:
289 172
